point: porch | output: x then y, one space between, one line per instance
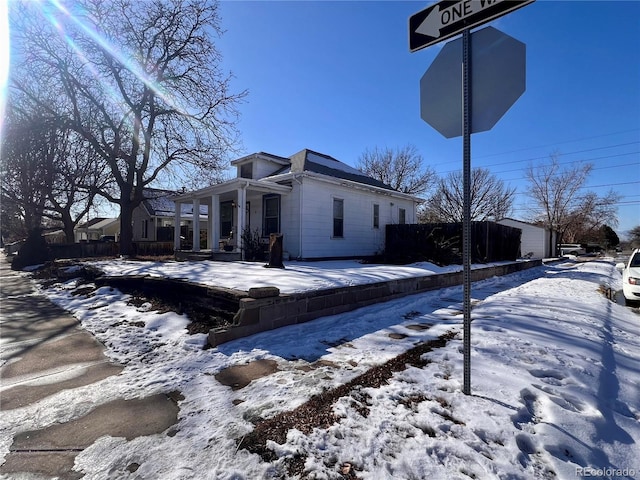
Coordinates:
232 207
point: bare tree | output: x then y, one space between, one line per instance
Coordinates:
558 204
49 172
634 235
139 81
26 174
402 169
590 214
78 175
490 198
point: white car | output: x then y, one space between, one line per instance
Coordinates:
631 277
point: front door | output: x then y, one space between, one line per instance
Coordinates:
226 219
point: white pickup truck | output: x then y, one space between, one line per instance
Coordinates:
571 249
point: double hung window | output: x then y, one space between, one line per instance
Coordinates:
338 218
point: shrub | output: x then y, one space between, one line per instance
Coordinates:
253 249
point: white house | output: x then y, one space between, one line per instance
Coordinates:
96 228
154 218
537 240
323 207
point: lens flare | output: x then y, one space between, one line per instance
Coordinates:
60 16
4 58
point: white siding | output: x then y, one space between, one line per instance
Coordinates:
138 216
290 220
534 239
360 237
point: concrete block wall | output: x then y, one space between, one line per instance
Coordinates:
260 314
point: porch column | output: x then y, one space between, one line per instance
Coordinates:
196 225
176 226
242 208
209 242
214 224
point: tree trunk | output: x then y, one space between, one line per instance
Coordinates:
275 251
126 228
69 233
68 226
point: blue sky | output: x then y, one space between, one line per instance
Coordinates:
338 77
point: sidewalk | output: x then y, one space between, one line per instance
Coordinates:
43 351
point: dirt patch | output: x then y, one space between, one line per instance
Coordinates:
239 376
419 326
317 412
397 336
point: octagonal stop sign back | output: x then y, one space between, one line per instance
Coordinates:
498 74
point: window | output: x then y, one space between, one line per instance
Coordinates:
246 170
338 217
402 216
145 229
376 215
270 214
226 219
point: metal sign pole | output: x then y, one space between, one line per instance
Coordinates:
437 92
466 222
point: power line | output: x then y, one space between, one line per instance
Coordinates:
611 184
617 165
573 161
563 154
560 143
602 185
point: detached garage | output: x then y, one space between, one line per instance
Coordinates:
535 240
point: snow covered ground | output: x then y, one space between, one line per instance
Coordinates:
555 382
296 277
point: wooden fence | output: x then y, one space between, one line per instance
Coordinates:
441 243
107 249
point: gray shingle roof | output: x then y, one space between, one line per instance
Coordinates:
310 161
158 203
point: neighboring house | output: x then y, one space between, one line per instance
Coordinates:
537 240
96 228
323 207
55 237
154 218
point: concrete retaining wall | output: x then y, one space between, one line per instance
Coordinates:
260 314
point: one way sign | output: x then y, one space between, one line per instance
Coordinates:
449 17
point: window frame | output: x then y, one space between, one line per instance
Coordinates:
225 205
402 216
243 171
266 198
338 222
145 229
376 215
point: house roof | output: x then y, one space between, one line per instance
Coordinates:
90 223
261 185
159 203
104 223
96 223
309 161
306 162
522 222
265 156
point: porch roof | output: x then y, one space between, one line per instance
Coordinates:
96 225
265 186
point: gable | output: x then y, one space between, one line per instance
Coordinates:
259 165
